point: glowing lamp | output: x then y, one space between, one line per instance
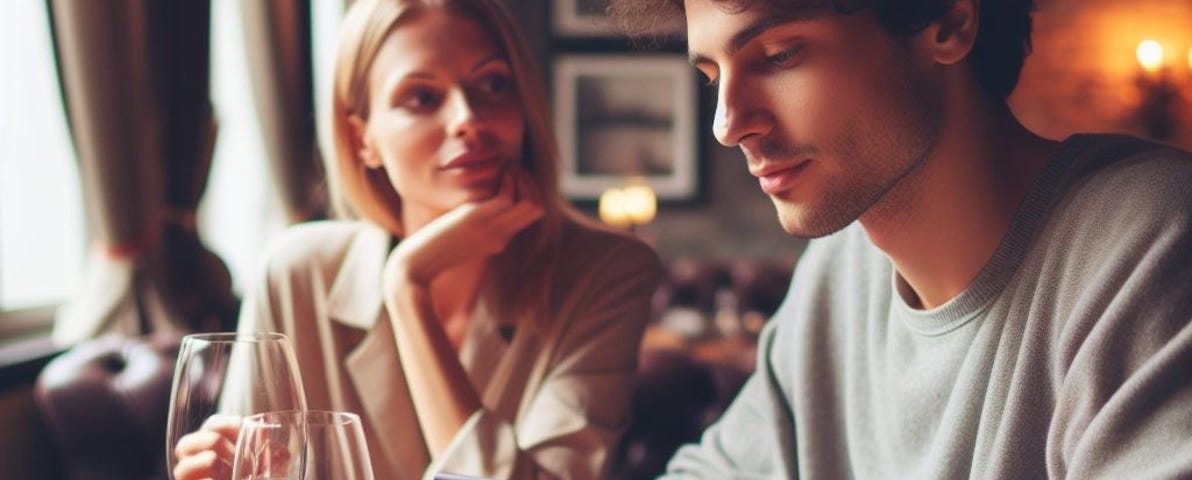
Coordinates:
1150 56
640 202
627 207
612 208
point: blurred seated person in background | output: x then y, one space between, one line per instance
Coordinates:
984 302
472 318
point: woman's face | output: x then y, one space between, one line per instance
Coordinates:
444 117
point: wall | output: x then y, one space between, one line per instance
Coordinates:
734 219
1083 73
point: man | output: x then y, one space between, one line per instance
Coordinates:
984 303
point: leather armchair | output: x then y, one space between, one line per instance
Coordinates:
105 404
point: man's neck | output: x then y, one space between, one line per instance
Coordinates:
944 221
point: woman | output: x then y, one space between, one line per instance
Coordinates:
475 321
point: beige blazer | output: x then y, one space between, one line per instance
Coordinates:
555 400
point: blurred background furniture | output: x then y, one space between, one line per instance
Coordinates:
697 353
104 404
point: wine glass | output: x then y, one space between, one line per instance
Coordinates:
237 374
302 445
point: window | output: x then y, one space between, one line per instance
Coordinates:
43 234
42 228
241 209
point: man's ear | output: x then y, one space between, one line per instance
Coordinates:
361 143
953 35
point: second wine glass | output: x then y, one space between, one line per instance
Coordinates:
302 445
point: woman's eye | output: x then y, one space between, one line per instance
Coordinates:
495 85
419 100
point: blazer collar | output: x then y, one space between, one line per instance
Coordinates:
355 296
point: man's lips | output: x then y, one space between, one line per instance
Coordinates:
775 179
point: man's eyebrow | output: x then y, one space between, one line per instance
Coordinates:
762 25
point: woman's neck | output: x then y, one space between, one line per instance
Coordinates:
454 294
455 291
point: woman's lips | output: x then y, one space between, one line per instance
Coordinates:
780 180
473 161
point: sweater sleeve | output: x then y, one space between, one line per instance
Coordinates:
580 410
1124 406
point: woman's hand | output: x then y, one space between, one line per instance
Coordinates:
471 230
207 453
443 395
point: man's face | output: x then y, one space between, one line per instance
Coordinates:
830 110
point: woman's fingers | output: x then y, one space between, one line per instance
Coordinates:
515 219
516 188
206 449
508 188
473 229
205 465
226 425
208 452
197 442
506 219
527 189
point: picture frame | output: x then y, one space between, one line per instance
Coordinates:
627 116
580 18
586 18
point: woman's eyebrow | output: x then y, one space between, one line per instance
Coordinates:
486 61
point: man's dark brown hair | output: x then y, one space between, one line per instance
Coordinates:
1002 44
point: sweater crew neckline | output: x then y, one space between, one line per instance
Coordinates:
981 293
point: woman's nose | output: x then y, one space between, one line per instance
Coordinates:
739 112
464 117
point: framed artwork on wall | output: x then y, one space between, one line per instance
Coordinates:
626 116
580 18
586 18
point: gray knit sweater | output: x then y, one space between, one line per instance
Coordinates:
1068 356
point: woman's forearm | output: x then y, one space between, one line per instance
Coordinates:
443 395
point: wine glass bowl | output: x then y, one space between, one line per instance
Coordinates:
302 445
236 374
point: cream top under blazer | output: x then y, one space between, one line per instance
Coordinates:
555 399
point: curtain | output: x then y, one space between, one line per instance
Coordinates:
278 37
134 81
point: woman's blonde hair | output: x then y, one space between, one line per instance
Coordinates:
360 191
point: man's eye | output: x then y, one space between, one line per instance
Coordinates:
784 58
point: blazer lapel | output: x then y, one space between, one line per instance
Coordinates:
355 296
373 366
385 397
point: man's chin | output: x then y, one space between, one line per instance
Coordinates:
805 222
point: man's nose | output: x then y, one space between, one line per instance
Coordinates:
739 112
